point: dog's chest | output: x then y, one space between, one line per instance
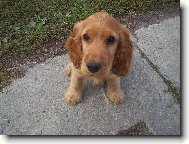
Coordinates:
96 81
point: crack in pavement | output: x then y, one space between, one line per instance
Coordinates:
173 90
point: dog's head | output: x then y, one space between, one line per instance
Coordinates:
100 45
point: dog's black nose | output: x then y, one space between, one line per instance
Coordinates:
93 67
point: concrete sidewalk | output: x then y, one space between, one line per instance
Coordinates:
34 104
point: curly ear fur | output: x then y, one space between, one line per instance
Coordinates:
123 54
74 45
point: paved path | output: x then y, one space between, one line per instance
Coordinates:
34 104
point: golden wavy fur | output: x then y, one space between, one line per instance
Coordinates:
99 48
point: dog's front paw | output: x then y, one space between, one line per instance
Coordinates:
72 97
115 97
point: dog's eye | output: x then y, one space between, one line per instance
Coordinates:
86 37
111 40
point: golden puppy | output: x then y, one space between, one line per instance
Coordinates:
100 49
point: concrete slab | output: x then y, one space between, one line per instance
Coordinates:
34 104
161 43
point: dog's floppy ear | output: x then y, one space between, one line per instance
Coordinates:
74 45
123 54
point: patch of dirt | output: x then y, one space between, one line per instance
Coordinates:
139 129
17 66
156 15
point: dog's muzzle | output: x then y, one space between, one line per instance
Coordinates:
93 67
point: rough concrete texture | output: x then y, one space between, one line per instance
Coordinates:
34 104
161 43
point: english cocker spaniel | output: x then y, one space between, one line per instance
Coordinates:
100 49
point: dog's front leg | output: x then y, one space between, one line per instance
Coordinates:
75 92
114 92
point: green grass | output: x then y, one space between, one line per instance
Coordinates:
5 78
25 24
